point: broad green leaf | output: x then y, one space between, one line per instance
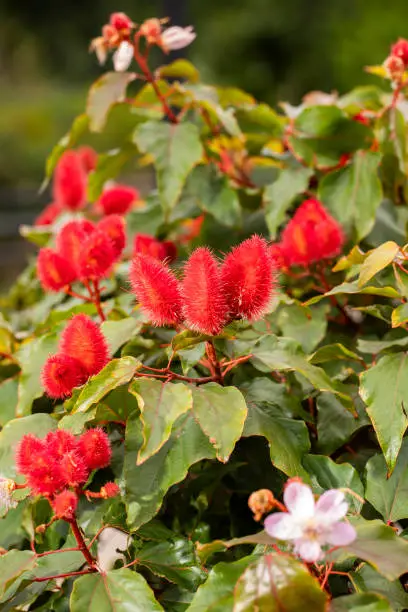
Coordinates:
120 590
119 332
326 474
8 400
288 439
352 288
362 602
13 565
179 69
11 434
335 424
39 236
389 495
365 578
116 373
106 91
333 352
147 484
374 347
260 119
217 593
306 325
109 166
399 315
187 339
174 560
377 260
32 355
280 194
385 404
160 404
354 193
176 149
275 583
79 128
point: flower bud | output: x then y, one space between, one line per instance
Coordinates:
122 58
394 67
96 257
260 502
400 49
149 245
70 181
28 447
65 504
95 449
54 271
151 30
83 340
111 489
71 238
114 228
88 157
61 374
118 200
175 38
120 21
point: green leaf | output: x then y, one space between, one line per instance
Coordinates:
119 332
116 373
160 404
364 602
365 578
187 339
373 347
174 560
280 194
389 495
352 288
288 439
13 565
306 325
377 260
32 356
385 405
179 69
275 583
217 593
8 400
221 413
119 590
176 149
147 484
109 166
354 193
106 91
333 352
399 315
326 474
335 424
39 236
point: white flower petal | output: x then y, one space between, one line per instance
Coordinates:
309 550
331 506
123 56
341 534
299 500
177 38
282 526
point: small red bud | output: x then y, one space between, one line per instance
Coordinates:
65 504
71 238
114 227
97 256
394 67
400 49
88 157
118 200
83 339
111 489
54 271
61 373
120 21
28 447
144 243
70 181
95 449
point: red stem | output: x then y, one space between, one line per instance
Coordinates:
81 543
68 575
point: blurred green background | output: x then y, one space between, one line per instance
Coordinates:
276 50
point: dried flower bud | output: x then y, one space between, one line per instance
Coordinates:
50 213
96 257
400 49
122 58
260 502
151 30
175 38
70 181
95 449
157 290
83 339
111 489
249 279
65 504
394 67
114 228
204 306
7 487
118 200
61 374
54 271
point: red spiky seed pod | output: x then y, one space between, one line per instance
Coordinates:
149 245
65 504
248 275
204 307
70 181
97 257
157 290
71 238
88 157
277 255
50 213
54 271
83 339
110 489
114 227
400 49
117 200
311 235
72 469
59 443
29 447
95 448
61 373
45 481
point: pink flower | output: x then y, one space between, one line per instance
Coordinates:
311 525
177 38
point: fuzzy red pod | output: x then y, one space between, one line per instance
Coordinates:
50 213
61 373
95 448
43 476
30 446
70 179
83 339
110 489
114 227
59 443
71 238
65 504
400 49
277 255
248 274
149 245
88 157
54 271
157 290
204 306
311 235
97 256
72 469
117 200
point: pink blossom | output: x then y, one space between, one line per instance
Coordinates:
311 525
177 38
